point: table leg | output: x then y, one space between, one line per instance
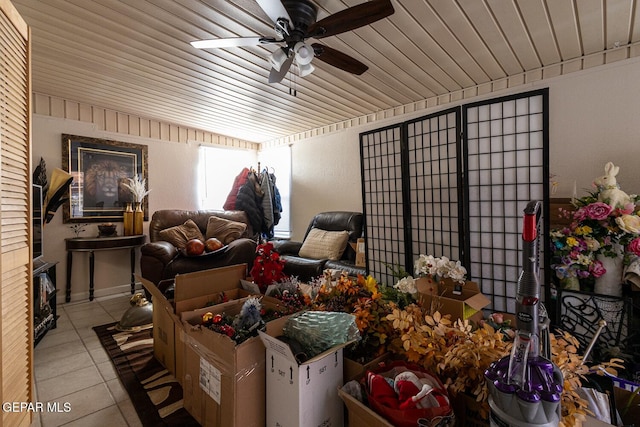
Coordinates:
133 270
69 262
91 270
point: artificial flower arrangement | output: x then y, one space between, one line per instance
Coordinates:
267 266
460 354
440 268
602 223
290 295
367 300
246 324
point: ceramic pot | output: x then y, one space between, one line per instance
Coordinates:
570 283
610 283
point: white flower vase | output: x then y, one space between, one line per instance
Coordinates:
610 283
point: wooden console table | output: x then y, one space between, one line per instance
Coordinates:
92 244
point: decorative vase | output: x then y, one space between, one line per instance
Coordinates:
127 219
610 283
570 284
138 216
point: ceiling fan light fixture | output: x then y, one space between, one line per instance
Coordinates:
304 53
277 58
305 69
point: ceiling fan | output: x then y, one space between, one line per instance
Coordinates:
295 21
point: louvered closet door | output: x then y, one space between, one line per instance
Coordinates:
16 328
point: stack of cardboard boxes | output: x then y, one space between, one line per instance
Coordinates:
229 384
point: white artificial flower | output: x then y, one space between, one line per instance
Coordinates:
443 266
425 265
138 188
629 223
406 285
458 273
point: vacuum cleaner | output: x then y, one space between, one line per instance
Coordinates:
525 387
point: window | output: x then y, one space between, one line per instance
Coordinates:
278 162
218 168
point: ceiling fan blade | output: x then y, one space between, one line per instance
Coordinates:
277 76
274 9
338 59
351 18
231 42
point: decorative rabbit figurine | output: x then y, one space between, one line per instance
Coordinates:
608 190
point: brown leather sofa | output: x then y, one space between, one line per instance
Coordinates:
306 269
161 260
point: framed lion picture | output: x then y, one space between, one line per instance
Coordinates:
99 168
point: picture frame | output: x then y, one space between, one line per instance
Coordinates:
99 167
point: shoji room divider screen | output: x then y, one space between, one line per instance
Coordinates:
455 184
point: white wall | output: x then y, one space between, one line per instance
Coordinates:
172 172
593 119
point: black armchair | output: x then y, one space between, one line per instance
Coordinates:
306 268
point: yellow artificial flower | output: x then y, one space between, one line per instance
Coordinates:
572 241
629 223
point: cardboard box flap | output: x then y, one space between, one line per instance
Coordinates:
361 415
277 346
194 290
196 284
152 288
478 301
250 286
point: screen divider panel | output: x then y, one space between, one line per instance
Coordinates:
430 188
433 183
381 166
506 166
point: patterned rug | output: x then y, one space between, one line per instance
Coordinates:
155 393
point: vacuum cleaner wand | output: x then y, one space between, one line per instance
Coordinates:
528 290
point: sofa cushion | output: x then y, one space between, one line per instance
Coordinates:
323 244
225 230
179 235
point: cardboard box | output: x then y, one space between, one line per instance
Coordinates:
359 414
467 305
306 394
361 259
192 290
224 382
628 405
355 370
468 411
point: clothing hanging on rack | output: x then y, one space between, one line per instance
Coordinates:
249 199
267 204
239 181
256 193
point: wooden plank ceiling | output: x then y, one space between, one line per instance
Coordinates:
134 56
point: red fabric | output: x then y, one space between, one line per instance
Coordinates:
239 181
403 413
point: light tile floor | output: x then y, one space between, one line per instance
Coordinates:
72 368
